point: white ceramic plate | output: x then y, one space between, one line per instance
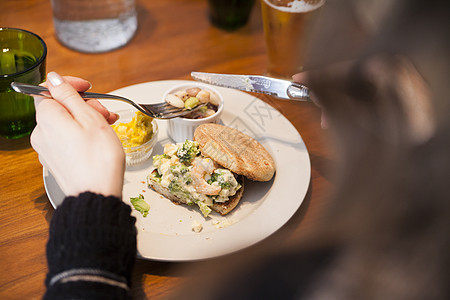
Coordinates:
166 233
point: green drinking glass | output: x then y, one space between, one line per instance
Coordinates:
230 14
22 59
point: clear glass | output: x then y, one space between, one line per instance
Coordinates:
22 59
138 154
287 27
94 26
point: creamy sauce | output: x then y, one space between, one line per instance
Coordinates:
195 178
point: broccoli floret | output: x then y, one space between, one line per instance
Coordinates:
179 169
218 176
188 151
140 205
176 189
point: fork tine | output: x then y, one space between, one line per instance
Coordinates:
177 113
163 107
166 107
173 110
174 114
161 110
161 104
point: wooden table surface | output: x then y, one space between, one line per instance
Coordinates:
173 39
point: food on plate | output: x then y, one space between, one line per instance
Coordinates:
222 223
197 226
140 205
236 151
208 171
136 132
183 175
191 98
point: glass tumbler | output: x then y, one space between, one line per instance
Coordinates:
22 59
94 26
229 14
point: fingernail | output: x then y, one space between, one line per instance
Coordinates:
90 86
324 124
54 78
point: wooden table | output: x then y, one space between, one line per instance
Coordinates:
173 39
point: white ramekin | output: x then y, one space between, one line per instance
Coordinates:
182 129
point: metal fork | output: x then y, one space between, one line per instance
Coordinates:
158 111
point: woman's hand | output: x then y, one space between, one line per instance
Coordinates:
302 78
75 142
82 85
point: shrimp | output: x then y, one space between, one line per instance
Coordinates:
170 149
200 168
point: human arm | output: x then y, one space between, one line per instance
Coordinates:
92 236
91 249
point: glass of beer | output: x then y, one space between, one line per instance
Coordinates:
22 59
287 28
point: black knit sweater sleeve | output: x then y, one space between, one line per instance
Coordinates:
91 249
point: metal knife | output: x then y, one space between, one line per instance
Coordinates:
284 89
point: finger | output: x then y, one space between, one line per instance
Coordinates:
38 100
48 110
65 94
35 138
301 78
324 121
113 117
99 107
43 163
79 84
36 141
304 79
314 99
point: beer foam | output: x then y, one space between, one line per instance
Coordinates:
296 6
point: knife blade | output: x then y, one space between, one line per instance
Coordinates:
280 88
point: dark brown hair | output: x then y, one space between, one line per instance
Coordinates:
387 231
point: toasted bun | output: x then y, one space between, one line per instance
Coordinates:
221 208
235 151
